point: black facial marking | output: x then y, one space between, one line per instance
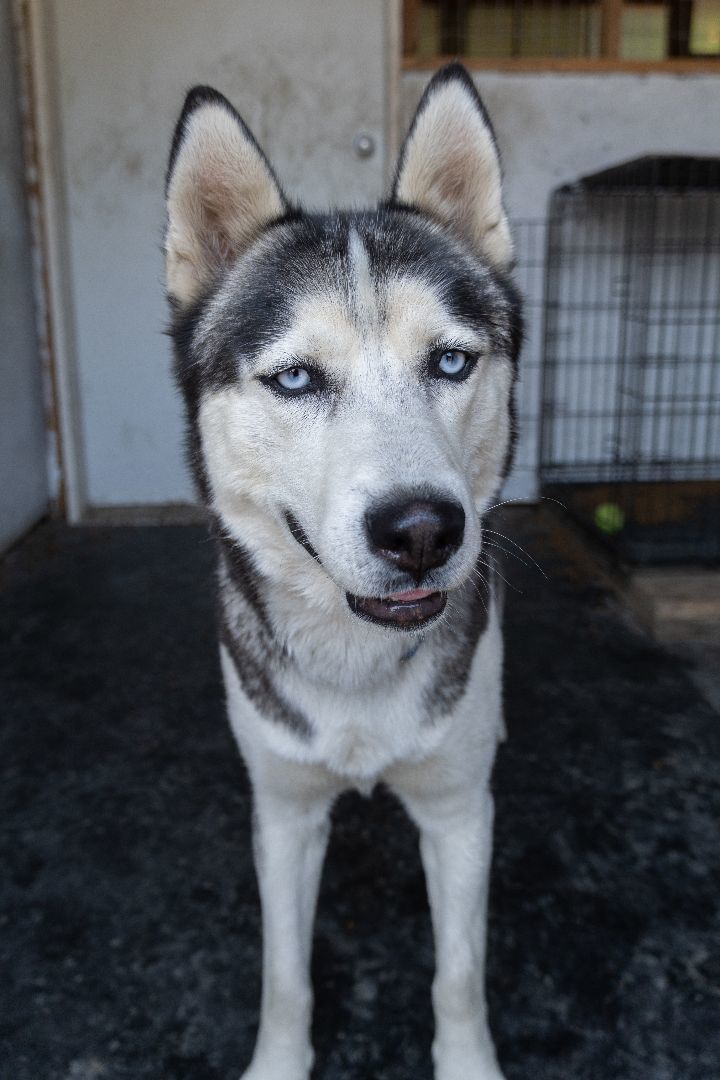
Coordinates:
190 378
257 683
248 635
308 253
468 625
300 535
399 241
242 573
517 333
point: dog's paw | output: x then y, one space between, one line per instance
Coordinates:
275 1071
280 1064
455 1063
469 1070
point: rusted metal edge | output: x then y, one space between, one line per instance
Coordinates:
38 238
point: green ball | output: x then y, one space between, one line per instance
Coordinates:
609 518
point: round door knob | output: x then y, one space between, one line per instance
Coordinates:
364 145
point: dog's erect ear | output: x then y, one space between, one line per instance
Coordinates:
220 192
449 165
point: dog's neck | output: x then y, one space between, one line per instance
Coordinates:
271 628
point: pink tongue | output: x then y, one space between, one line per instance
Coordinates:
413 594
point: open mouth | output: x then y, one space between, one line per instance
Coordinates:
402 611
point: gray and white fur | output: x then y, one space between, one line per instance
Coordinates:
349 383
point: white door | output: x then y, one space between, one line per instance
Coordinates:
308 76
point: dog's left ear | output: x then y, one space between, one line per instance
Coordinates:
221 193
449 165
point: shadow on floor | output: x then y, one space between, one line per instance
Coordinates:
128 906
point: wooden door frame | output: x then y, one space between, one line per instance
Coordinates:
46 204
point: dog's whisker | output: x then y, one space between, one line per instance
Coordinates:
480 597
493 567
505 502
526 553
484 581
506 551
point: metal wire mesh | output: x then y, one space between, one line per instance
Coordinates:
630 396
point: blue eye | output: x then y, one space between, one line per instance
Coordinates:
453 364
297 380
293 379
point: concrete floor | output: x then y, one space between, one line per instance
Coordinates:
128 909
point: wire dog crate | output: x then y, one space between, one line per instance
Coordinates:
630 425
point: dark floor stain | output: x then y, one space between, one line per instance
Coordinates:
128 905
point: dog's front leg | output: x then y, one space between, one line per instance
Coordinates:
456 848
290 836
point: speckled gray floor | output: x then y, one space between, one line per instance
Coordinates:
128 907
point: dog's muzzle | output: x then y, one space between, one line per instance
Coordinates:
416 536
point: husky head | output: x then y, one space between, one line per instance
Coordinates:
348 376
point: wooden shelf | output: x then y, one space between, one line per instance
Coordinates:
610 45
571 66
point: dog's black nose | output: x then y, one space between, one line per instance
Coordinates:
417 534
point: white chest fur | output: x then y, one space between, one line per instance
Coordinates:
360 732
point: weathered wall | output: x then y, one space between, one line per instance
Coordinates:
23 470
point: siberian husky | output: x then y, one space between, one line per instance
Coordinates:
349 387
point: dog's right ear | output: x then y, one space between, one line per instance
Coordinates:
449 165
220 193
